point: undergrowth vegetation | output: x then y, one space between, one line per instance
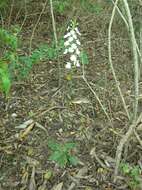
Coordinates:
14 66
133 174
62 153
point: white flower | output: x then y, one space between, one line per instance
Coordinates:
77 64
77 31
77 51
72 32
68 28
78 42
14 115
66 43
70 39
67 35
74 36
71 50
68 65
66 51
73 58
74 46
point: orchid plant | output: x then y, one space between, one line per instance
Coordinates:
72 45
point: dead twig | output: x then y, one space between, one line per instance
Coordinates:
33 32
135 122
110 59
56 39
44 111
138 138
135 57
94 155
95 95
11 11
123 142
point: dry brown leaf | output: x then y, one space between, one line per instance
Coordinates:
32 161
7 149
25 124
81 101
32 185
25 176
58 187
26 132
88 188
82 172
43 186
41 127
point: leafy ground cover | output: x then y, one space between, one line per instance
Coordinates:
38 109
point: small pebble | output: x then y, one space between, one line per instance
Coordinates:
13 115
60 130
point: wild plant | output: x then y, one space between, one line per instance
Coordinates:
91 7
61 6
3 3
62 153
133 173
72 45
42 53
9 44
73 49
94 7
74 55
14 66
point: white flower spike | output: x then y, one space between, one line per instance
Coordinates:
72 45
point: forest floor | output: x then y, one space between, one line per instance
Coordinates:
69 112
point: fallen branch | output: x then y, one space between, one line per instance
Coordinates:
122 143
110 59
135 57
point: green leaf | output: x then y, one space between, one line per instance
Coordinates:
8 39
62 161
69 146
61 8
59 157
36 56
4 77
91 7
48 174
51 53
73 160
55 156
6 84
3 3
54 146
125 167
61 153
84 58
135 172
